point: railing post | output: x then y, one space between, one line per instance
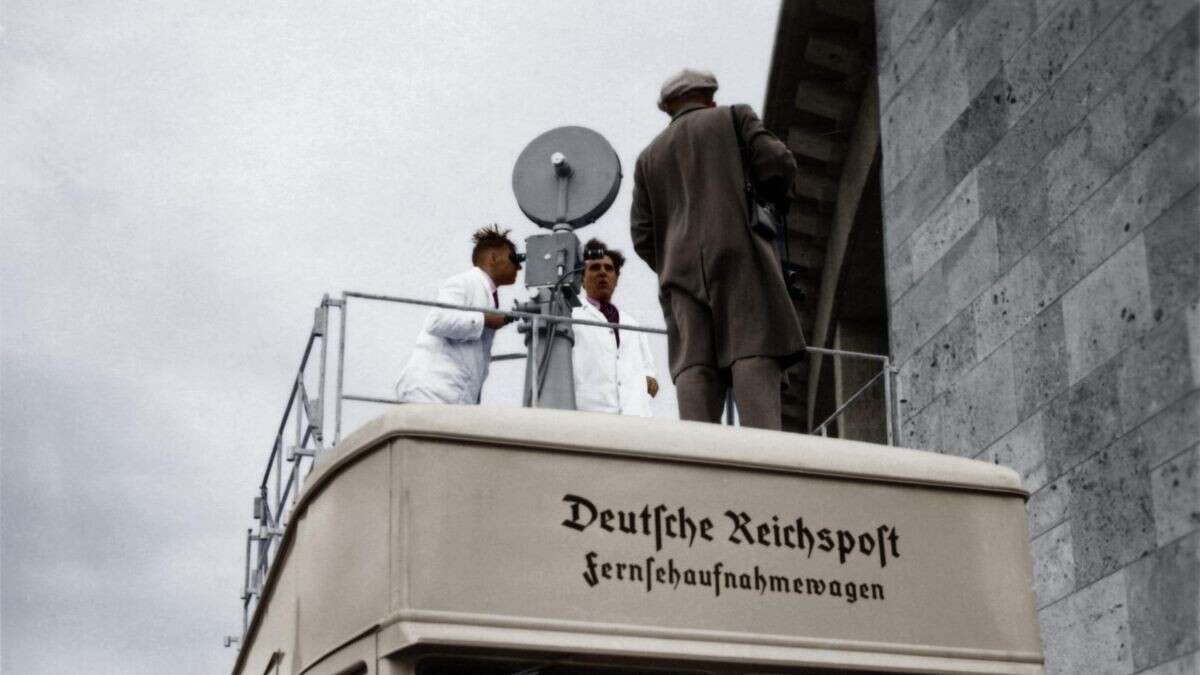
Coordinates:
894 377
278 452
246 585
300 410
324 324
887 400
341 370
295 480
533 363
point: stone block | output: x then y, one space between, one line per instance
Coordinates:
939 363
1046 120
1140 27
1111 511
1044 9
1176 491
919 314
945 226
981 406
978 129
1088 633
898 272
896 19
1173 256
1153 372
1053 564
1078 167
1057 43
1185 665
960 148
915 385
1023 219
1164 603
1082 420
923 430
1039 360
1192 317
1045 196
1107 310
970 265
1058 261
1140 193
1026 289
993 35
1049 506
1023 450
1125 41
909 204
1014 155
1170 431
1156 93
913 33
921 112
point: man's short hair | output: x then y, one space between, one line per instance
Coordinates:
487 238
614 255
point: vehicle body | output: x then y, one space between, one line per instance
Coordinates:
447 539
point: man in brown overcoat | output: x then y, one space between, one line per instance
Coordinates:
728 315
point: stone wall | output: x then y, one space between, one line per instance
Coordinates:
1042 242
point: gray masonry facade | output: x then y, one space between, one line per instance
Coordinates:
1042 255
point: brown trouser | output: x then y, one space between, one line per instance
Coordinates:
701 390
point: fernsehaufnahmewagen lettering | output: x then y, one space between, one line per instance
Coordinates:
662 522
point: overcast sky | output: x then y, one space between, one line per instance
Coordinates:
179 184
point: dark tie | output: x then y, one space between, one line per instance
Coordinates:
495 300
610 312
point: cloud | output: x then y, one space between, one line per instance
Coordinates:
180 184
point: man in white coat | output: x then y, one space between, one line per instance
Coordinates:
614 371
451 357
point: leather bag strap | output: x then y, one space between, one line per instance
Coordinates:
744 154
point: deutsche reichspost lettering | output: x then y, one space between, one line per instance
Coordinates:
664 525
658 522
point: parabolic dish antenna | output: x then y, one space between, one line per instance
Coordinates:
568 175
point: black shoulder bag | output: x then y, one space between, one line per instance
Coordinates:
763 219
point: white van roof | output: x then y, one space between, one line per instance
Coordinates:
693 442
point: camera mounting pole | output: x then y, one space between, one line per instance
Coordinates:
559 195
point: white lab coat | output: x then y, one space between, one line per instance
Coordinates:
609 378
451 357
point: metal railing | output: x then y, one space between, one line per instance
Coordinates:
304 417
887 373
534 319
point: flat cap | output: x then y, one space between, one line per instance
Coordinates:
684 82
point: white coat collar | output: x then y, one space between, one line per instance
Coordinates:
592 306
596 303
487 280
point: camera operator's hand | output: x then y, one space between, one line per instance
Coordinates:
494 321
